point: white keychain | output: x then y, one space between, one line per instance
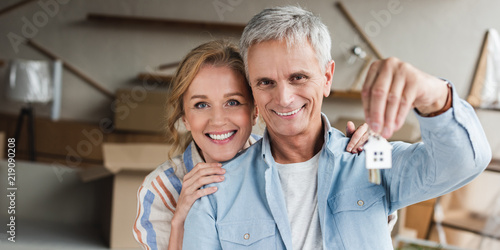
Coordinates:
378 152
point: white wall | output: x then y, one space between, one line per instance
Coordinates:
440 37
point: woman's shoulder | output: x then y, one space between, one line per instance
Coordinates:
172 171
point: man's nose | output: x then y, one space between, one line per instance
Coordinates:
285 94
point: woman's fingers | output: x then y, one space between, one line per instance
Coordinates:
358 137
202 169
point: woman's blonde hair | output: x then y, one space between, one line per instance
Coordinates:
219 53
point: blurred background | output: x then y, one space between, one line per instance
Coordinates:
83 86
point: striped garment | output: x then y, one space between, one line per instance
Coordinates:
157 198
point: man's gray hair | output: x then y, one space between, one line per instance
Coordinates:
292 24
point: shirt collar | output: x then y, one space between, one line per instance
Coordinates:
266 143
191 155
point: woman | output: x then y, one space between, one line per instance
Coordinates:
211 96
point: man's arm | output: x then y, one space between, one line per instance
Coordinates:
454 151
200 231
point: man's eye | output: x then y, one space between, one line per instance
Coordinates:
233 103
200 105
264 82
298 78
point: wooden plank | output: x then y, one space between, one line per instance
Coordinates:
73 69
494 166
155 77
169 65
14 6
123 19
358 28
474 97
345 94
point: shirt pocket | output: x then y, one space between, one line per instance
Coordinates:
248 234
361 214
356 199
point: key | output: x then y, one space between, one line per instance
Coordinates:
378 152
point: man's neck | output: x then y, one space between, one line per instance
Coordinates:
298 148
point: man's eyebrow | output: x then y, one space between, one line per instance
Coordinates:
233 94
259 79
300 72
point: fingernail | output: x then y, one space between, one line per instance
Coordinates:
360 149
386 132
375 127
354 151
221 178
349 149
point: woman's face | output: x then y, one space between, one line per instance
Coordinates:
219 112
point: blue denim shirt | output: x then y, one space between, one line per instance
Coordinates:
248 210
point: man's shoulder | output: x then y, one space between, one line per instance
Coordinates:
250 154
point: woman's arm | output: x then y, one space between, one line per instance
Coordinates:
202 174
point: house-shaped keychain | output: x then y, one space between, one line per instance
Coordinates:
378 154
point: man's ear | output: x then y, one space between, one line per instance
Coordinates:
186 123
330 69
255 115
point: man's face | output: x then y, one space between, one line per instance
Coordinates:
288 86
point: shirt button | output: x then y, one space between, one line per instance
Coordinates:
246 236
361 203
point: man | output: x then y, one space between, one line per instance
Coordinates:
296 188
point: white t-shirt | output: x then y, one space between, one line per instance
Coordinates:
299 182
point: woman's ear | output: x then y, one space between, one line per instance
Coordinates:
186 123
255 115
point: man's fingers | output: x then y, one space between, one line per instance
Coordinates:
365 91
378 95
393 103
405 104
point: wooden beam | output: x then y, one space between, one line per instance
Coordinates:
73 69
169 65
345 94
474 97
153 77
360 30
168 22
14 6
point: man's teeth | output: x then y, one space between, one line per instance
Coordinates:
221 137
289 113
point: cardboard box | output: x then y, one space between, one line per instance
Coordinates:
139 110
128 164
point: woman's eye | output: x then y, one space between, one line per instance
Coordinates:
233 103
200 105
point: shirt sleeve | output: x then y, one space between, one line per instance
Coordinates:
200 231
453 151
153 222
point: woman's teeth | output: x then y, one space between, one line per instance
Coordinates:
221 137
